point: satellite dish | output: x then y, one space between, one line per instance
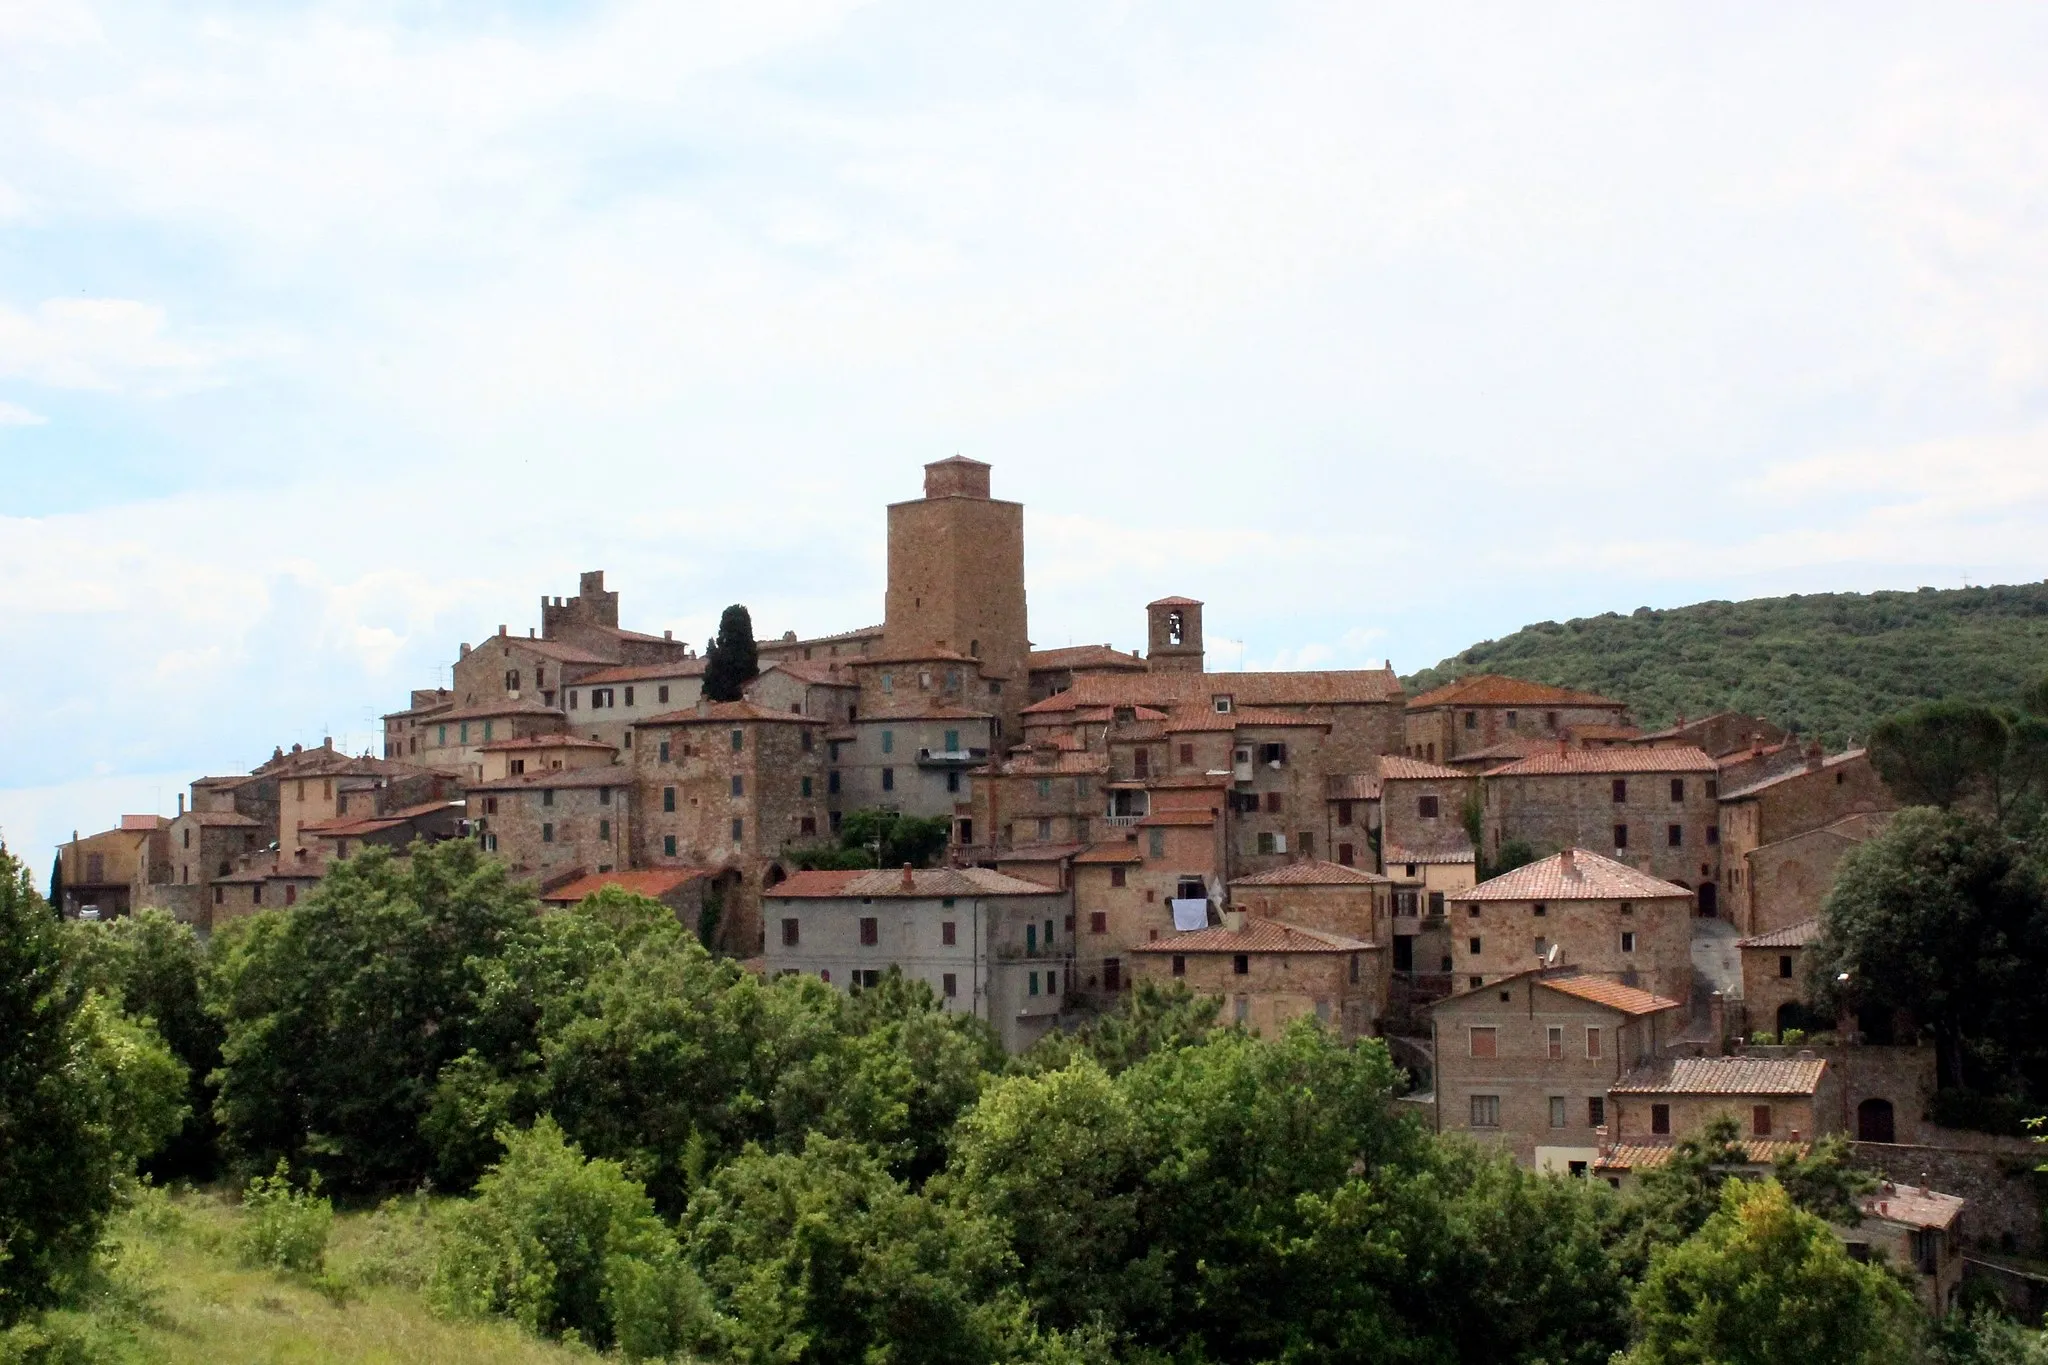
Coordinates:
1550 958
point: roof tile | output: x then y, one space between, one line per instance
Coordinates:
1589 876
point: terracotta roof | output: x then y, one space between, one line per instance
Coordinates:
625 673
1321 688
817 672
1173 602
1100 715
487 709
862 633
603 775
1353 786
1832 761
1585 732
1394 767
1313 872
1648 1156
1185 782
1450 851
930 654
653 882
553 649
1727 1076
1083 656
1792 936
1122 851
1625 760
1492 689
1040 853
1506 751
1913 1206
1612 994
725 713
347 826
924 882
221 819
559 740
432 708
1063 763
924 709
140 824
1590 877
1179 817
277 869
1257 936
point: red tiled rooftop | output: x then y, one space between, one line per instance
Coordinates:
626 673
1552 761
1312 872
652 882
1180 817
1257 936
1120 851
1601 991
1494 689
726 713
1914 1206
1791 936
1167 690
924 882
1727 1076
1649 1156
1827 764
1396 768
1084 656
559 740
1589 877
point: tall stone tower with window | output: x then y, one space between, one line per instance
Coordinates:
1173 635
956 585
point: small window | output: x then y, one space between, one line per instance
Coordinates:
661 751
1426 807
1034 983
804 786
1117 876
629 696
1539 909
739 785
1678 789
1620 837
661 693
1098 922
1760 1120
547 834
832 783
604 796
668 845
1241 1009
1784 966
604 831
1343 812
739 740
1620 789
949 985
1514 721
1471 720
949 932
870 931
1555 1041
668 799
1241 964
1156 846
1484 1042
1486 1111
1557 1111
739 831
1347 856
1660 1119
789 933
888 779
1674 837
806 740
1187 755
1274 802
1222 704
1180 965
1473 944
1628 942
1596 1110
888 741
1713 834
547 796
1592 1042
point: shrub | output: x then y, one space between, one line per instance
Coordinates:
1793 1037
1763 1038
400 1243
284 1228
568 1246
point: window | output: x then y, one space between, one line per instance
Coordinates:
668 799
952 782
1034 983
888 779
1031 940
739 740
464 738
1557 1114
1628 942
1678 789
1180 965
949 932
1222 704
218 894
1620 789
1354 969
1187 755
888 741
1539 909
604 796
1305 843
807 825
1052 983
547 796
1486 1111
1141 762
949 985
1713 834
629 696
739 785
1596 1110
547 834
1240 965
1713 788
1784 966
888 682
952 741
832 783
1274 801
1660 1119
1048 936
789 933
668 845
1483 1042
1760 1120
1343 812
256 894
1474 946
1112 974
1471 720
1555 1041
1592 1042
1620 837
511 680
739 831
1426 807
1241 1008
1098 922
870 931
661 693
1156 844
1514 721
1273 753
604 831
832 819
661 751
1347 856
804 786
1628 907
1118 876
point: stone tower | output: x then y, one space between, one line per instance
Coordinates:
1173 635
956 582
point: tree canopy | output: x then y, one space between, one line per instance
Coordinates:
731 661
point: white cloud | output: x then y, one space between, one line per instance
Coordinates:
97 344
15 415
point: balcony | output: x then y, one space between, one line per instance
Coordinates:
1121 821
951 758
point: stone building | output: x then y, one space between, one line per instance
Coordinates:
1311 894
824 689
1053 671
109 873
1268 974
681 889
1917 1231
1774 1099
1656 810
1486 709
556 823
1603 917
262 881
388 826
844 646
503 758
1774 979
987 944
512 668
605 704
1784 882
360 786
454 741
1721 734
920 756
1125 888
1821 792
1528 1060
590 621
205 845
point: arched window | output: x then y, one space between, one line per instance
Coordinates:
1874 1122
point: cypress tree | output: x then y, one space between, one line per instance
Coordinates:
732 661
57 886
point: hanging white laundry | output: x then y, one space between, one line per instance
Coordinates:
1190 915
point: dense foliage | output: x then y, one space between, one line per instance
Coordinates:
880 838
1832 664
1966 755
731 660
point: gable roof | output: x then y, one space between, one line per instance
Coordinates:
1649 1156
652 882
1353 786
726 713
1452 850
1791 936
1396 768
1596 990
558 650
625 673
1575 874
1166 690
1495 689
1313 872
561 739
1727 1076
816 672
598 775
1827 764
1084 656
1122 851
1911 1205
1257 936
924 882
1676 759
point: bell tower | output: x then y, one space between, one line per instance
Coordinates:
1173 635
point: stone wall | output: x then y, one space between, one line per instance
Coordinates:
2004 1191
1549 811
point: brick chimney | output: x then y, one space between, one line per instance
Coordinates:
909 881
1566 863
1233 920
1717 1024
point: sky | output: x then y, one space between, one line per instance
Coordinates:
335 335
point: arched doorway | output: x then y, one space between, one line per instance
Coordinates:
1710 900
1874 1122
1791 1014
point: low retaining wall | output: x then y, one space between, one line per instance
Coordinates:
2004 1190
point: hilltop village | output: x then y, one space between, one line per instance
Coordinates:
1564 925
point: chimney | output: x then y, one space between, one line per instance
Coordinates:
1717 1024
501 629
909 881
1566 863
298 748
1814 757
181 803
1756 744
463 651
327 742
529 632
1233 920
668 635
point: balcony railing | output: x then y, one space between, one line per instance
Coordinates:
1121 821
951 758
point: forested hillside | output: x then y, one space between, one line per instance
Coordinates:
1831 664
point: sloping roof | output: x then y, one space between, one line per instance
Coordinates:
558 740
350 826
142 824
920 708
1121 851
1493 689
552 649
602 775
1827 764
1353 786
1614 995
1083 656
220 819
1506 751
485 710
1686 759
727 712
1588 877
1313 872
1727 1076
1791 936
1173 602
1911 1205
625 673
1648 1156
924 882
1457 850
1066 762
1257 936
1040 853
860 633
653 882
1320 688
817 672
1395 768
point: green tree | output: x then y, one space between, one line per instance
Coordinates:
1509 856
340 1015
1764 1282
84 1093
57 886
1150 1018
1955 754
1824 1183
1945 916
731 661
893 839
1673 1201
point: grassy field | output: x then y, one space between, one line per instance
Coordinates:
177 1294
